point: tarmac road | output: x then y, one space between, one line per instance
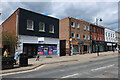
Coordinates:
104 68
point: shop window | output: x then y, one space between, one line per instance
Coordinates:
42 26
73 24
51 28
75 48
30 24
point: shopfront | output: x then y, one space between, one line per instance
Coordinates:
46 47
96 44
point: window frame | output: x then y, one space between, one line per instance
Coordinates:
73 35
32 24
53 29
85 37
87 28
78 37
73 26
88 37
43 27
78 25
84 26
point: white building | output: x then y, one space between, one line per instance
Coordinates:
110 38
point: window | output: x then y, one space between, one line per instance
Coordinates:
42 26
73 35
84 37
97 38
94 29
88 28
94 37
78 36
30 25
97 30
51 28
77 25
111 34
100 38
88 37
100 31
72 24
84 27
106 33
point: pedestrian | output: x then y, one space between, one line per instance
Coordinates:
113 49
37 57
16 57
5 53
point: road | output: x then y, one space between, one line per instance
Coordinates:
105 68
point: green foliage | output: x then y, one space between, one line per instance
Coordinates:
10 40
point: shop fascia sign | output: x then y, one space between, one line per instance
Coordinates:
76 43
41 40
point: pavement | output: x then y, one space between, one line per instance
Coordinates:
42 61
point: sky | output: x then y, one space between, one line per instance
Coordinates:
88 11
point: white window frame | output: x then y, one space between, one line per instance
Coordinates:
84 26
73 24
78 25
78 37
32 25
83 37
73 35
42 26
53 28
88 28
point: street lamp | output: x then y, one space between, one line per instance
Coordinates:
97 35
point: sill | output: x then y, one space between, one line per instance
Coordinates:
30 29
41 31
51 32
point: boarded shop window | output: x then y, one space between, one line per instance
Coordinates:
30 25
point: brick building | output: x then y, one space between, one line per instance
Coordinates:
97 38
74 35
36 32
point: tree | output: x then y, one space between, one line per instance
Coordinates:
10 41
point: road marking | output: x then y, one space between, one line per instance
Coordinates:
70 75
102 67
23 71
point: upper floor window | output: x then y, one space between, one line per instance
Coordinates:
77 25
100 37
88 37
84 36
94 37
84 27
113 35
51 28
88 28
30 24
94 29
73 35
78 36
106 33
97 30
100 31
73 24
42 26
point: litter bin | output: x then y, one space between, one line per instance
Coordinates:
23 60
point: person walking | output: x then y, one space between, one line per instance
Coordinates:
37 57
5 53
16 57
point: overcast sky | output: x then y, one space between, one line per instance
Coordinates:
87 11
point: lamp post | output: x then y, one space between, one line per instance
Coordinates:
97 35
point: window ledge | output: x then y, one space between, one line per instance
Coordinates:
41 31
30 29
51 32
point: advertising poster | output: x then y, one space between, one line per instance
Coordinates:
40 50
45 50
50 50
54 49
